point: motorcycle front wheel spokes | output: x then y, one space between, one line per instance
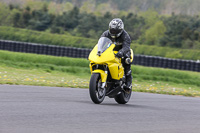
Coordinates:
97 94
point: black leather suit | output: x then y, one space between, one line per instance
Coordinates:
122 44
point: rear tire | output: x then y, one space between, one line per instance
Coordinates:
123 97
97 94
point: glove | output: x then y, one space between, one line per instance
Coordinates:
119 54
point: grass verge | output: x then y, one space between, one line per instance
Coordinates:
32 69
40 77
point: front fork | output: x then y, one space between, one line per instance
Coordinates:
104 75
104 83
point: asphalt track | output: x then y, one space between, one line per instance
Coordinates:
32 109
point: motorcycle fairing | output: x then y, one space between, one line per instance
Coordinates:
107 57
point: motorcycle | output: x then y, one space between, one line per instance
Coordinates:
107 71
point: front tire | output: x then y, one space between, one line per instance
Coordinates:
123 97
97 94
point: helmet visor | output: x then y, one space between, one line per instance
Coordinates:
115 32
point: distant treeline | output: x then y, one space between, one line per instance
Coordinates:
189 7
150 28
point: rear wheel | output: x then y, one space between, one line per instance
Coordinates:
97 94
123 97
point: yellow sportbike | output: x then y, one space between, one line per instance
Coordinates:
108 77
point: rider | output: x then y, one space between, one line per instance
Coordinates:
122 39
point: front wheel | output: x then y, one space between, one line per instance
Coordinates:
97 94
123 97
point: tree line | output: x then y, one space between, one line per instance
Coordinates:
150 28
190 7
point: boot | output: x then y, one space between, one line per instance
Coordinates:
129 81
127 70
128 86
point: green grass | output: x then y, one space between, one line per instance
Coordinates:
23 60
74 65
167 75
32 69
39 77
25 35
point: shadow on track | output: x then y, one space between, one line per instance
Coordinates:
130 106
121 105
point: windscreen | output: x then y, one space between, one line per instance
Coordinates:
103 44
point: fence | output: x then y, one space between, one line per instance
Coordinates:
150 61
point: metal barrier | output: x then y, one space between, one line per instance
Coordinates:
150 61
